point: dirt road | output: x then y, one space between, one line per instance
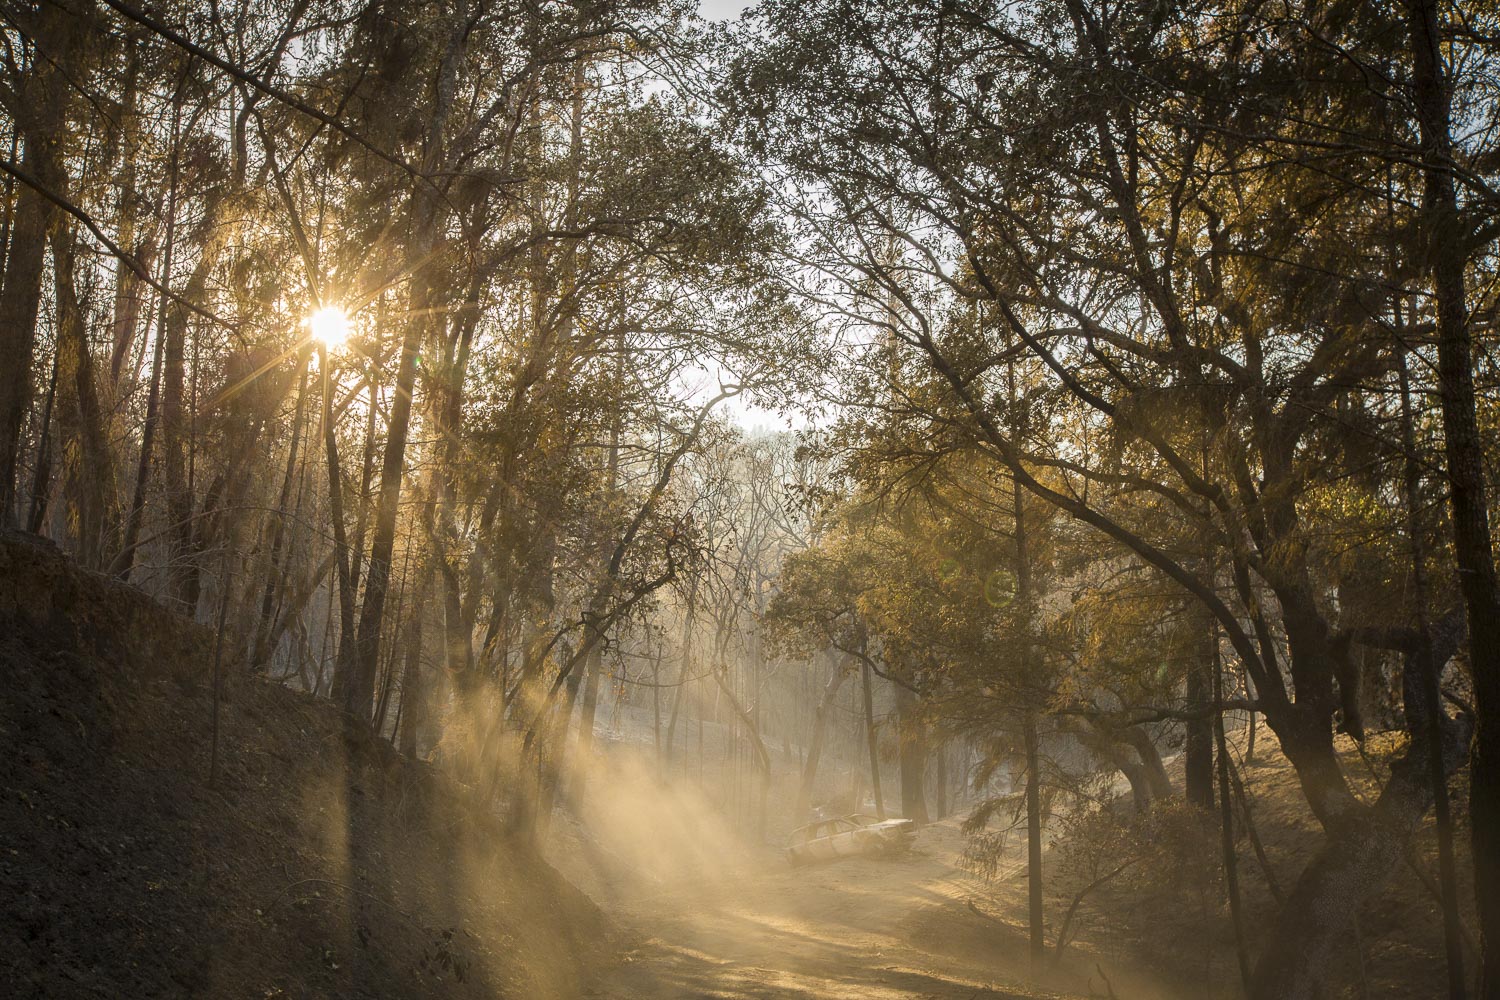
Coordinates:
859 927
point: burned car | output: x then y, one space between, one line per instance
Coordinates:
845 836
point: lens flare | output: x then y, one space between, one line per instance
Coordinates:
329 326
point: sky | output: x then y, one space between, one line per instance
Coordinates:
746 414
722 10
752 418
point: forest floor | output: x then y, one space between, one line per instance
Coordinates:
716 911
856 928
311 861
716 914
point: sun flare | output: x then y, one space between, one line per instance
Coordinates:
329 326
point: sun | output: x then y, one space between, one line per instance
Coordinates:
330 326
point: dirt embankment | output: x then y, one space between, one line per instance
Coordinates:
317 863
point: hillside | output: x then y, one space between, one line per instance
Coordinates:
1166 909
316 862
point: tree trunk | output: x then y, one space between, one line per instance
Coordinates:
1038 935
18 315
1030 737
174 438
1430 696
1198 747
125 320
873 745
366 473
682 674
413 710
359 691
1447 255
42 480
550 771
593 667
388 674
1226 817
815 741
912 732
677 692
447 414
1359 852
291 609
1140 787
1155 771
90 480
427 205
762 755
275 575
568 278
656 704
46 98
1316 923
942 783
340 537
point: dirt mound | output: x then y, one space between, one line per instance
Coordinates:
317 863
